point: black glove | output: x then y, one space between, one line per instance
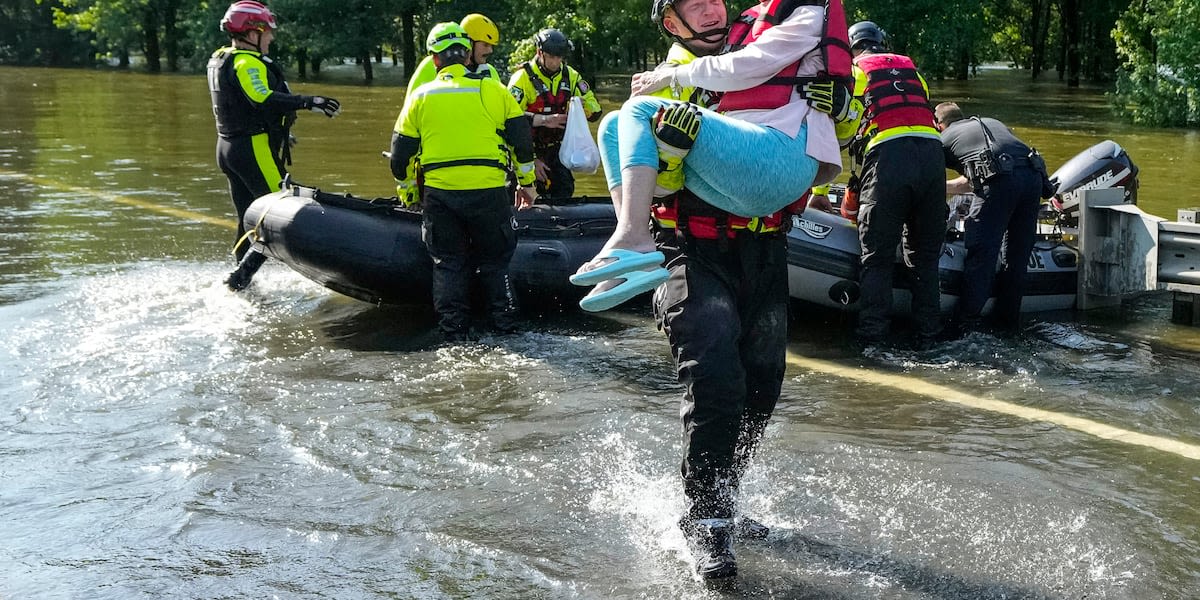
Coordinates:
678 127
829 97
330 106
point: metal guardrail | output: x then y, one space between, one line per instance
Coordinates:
1117 243
1125 252
1179 255
1179 266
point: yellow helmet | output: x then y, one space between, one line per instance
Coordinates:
481 29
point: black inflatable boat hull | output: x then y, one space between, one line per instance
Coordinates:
372 250
823 267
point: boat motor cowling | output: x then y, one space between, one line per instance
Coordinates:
1105 165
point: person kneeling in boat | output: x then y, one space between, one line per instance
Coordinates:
464 130
254 111
1006 177
724 303
763 151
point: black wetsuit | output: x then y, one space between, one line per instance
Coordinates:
253 115
724 310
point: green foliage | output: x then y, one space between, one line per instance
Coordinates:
114 24
28 36
1159 83
1152 41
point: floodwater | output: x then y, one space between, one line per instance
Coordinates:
162 437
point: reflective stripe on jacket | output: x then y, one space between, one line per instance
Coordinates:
459 119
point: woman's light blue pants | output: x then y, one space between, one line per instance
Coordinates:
743 168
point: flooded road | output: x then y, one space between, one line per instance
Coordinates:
160 436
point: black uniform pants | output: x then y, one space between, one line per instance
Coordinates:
470 231
1004 214
561 182
724 310
249 174
903 198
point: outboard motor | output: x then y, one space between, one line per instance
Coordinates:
1105 165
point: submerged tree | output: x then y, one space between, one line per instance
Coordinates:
1159 82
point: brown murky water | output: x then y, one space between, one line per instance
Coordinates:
160 436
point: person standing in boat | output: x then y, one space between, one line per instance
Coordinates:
902 187
464 129
254 111
1006 177
724 303
484 36
543 87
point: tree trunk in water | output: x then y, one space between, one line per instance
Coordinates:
171 34
408 27
1041 29
962 66
368 69
150 39
1071 31
379 54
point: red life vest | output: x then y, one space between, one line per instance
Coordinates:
550 103
777 91
689 215
895 96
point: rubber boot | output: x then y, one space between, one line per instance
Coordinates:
711 543
240 278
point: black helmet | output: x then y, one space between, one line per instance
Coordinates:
659 10
553 42
865 35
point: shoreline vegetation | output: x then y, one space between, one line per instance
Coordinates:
1141 50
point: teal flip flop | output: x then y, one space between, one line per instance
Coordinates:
634 284
624 262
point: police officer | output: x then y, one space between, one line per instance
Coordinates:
902 193
1006 178
462 129
254 112
484 36
543 87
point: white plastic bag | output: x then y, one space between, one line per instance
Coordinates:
579 152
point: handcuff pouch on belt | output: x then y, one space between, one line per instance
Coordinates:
988 163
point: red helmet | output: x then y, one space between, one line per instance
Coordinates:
247 15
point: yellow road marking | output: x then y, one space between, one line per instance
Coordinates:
127 200
912 385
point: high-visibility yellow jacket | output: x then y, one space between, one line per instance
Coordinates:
464 130
541 94
427 70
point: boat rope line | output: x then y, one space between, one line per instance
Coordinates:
121 199
913 385
253 233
